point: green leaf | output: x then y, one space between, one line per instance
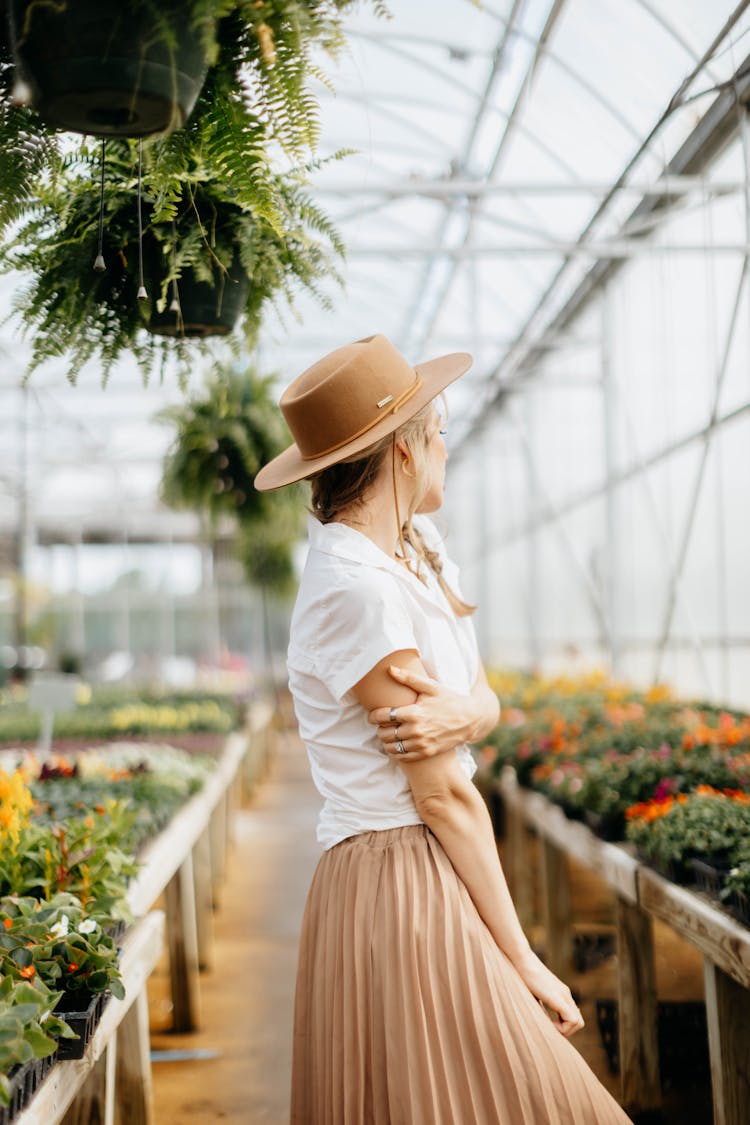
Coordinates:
41 1044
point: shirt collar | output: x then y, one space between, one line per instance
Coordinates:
347 543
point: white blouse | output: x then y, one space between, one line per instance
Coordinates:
355 606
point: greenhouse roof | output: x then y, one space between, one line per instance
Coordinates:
507 155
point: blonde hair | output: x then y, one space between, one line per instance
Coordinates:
347 483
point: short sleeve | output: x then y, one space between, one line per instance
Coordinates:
360 621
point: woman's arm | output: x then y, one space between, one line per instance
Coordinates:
439 719
452 808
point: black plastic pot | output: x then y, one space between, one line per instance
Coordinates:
24 1082
608 826
81 1011
205 310
109 67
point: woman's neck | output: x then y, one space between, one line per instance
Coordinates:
375 517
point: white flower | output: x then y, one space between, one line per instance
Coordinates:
61 928
87 926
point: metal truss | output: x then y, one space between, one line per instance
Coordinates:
710 137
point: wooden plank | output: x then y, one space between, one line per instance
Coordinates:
728 1019
182 939
135 1099
556 909
718 936
141 950
637 1009
162 857
95 1101
203 901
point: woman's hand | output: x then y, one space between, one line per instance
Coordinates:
437 721
553 992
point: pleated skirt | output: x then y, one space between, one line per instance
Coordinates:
407 1012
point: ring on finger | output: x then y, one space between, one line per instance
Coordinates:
400 748
392 715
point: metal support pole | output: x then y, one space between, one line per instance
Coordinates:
22 527
613 546
532 552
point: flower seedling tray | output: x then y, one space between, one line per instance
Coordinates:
739 904
677 871
82 1012
24 1083
607 826
709 876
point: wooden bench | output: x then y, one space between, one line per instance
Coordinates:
640 895
185 863
116 1066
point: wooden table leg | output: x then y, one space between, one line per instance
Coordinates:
135 1102
556 909
203 900
95 1103
637 1009
517 865
182 939
218 834
728 1019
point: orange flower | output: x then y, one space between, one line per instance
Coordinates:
7 922
28 972
72 967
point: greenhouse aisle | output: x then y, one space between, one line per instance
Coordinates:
247 997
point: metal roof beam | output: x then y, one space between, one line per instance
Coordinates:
713 133
481 189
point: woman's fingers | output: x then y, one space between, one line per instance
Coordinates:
425 685
381 716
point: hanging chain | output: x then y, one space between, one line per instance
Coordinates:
142 294
99 263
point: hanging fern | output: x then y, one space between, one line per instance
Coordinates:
222 439
68 309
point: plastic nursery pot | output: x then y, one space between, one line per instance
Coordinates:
82 1012
25 1080
125 68
205 309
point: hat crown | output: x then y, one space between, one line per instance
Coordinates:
346 393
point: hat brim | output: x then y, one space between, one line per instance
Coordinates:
436 375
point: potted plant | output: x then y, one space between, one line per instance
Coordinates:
112 68
29 1035
59 944
136 67
221 440
707 824
204 235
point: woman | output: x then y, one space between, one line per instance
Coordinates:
419 1000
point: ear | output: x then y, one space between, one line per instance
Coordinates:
403 449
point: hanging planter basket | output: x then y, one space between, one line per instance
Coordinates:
200 308
127 69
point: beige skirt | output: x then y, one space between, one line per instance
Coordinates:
406 1011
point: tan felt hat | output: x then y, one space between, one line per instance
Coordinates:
350 399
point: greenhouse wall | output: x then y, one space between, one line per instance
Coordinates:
600 509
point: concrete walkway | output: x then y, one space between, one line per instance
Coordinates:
248 996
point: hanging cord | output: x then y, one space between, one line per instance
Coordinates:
142 294
174 304
99 263
401 540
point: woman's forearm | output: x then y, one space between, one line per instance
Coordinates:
487 711
461 822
